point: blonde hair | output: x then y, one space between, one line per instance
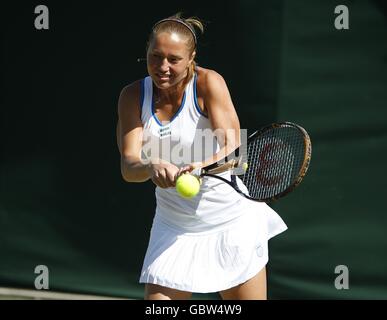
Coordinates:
186 28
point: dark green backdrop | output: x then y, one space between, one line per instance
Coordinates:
63 203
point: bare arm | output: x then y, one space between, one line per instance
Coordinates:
129 135
222 115
129 141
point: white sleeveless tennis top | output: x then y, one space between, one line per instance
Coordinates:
180 141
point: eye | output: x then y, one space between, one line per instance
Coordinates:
174 60
156 56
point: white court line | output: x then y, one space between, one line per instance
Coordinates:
22 294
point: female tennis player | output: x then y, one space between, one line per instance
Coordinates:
218 240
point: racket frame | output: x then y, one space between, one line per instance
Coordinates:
213 169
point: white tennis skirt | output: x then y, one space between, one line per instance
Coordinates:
210 261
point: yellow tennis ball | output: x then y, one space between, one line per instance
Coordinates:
245 166
187 186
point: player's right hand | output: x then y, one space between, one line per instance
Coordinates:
163 173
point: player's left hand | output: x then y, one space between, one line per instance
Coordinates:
188 168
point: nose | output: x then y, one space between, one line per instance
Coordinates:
164 67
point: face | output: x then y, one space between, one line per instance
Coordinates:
168 59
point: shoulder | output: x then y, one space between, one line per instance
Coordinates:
210 84
206 77
129 98
132 90
209 81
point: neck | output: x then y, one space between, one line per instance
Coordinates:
170 95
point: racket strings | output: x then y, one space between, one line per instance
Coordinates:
275 158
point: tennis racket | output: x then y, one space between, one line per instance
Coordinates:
273 163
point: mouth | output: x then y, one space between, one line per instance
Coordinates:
163 77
